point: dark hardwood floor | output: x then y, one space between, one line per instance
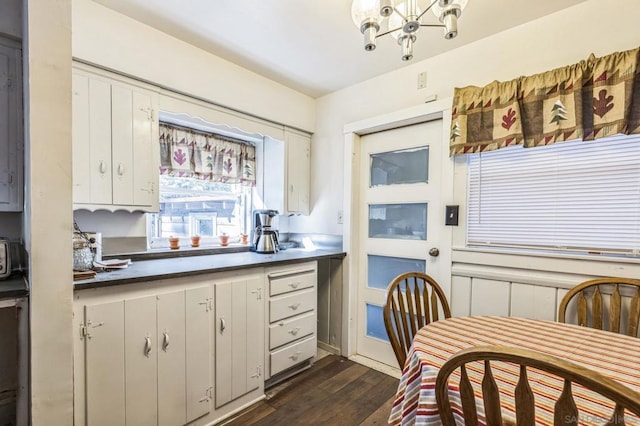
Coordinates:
334 391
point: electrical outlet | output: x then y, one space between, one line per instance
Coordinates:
422 80
340 217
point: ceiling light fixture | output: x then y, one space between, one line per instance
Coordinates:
403 20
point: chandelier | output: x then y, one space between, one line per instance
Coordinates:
403 20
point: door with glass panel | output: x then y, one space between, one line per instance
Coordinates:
400 222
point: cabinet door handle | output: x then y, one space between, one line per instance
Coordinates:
165 342
223 325
294 285
295 356
120 169
103 167
294 331
147 346
295 306
291 188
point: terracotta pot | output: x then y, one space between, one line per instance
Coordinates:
244 238
174 243
195 241
224 240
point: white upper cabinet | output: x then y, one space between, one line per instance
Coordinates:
287 173
11 151
298 168
115 144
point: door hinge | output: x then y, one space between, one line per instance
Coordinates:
208 395
208 304
258 293
84 332
258 372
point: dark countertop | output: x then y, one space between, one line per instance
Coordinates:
156 269
14 286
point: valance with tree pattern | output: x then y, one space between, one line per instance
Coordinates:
592 99
190 153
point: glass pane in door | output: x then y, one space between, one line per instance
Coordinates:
375 323
398 221
383 269
398 167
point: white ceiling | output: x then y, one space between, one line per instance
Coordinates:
312 45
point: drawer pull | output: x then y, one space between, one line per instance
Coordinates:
294 285
295 356
294 331
294 306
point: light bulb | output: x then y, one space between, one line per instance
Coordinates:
363 11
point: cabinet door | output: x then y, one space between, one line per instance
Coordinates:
141 361
223 349
91 140
171 358
105 364
122 144
198 332
298 165
255 329
132 138
239 337
11 158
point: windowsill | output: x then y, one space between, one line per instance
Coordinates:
550 254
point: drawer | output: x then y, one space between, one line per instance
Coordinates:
293 354
285 282
286 331
291 304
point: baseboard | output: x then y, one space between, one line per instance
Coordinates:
327 347
378 366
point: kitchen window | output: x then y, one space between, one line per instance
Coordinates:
206 183
572 196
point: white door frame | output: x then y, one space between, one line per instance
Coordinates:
440 109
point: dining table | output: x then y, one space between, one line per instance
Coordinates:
614 355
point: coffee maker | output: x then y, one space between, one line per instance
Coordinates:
265 238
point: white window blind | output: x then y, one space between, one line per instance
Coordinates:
582 196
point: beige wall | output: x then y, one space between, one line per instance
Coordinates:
112 40
47 213
553 41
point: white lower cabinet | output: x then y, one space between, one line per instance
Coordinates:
146 358
239 327
292 316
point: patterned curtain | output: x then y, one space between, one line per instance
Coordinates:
190 153
593 99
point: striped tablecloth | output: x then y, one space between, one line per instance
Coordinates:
613 355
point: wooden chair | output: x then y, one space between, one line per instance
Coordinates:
412 302
594 310
565 407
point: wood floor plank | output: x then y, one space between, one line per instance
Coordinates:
309 380
334 391
381 415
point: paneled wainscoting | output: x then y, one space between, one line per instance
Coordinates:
527 286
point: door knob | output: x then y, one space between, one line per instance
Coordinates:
434 252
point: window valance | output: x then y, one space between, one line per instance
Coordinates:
190 153
592 99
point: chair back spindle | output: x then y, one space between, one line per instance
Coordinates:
413 301
591 304
565 410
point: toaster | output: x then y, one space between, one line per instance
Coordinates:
5 258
